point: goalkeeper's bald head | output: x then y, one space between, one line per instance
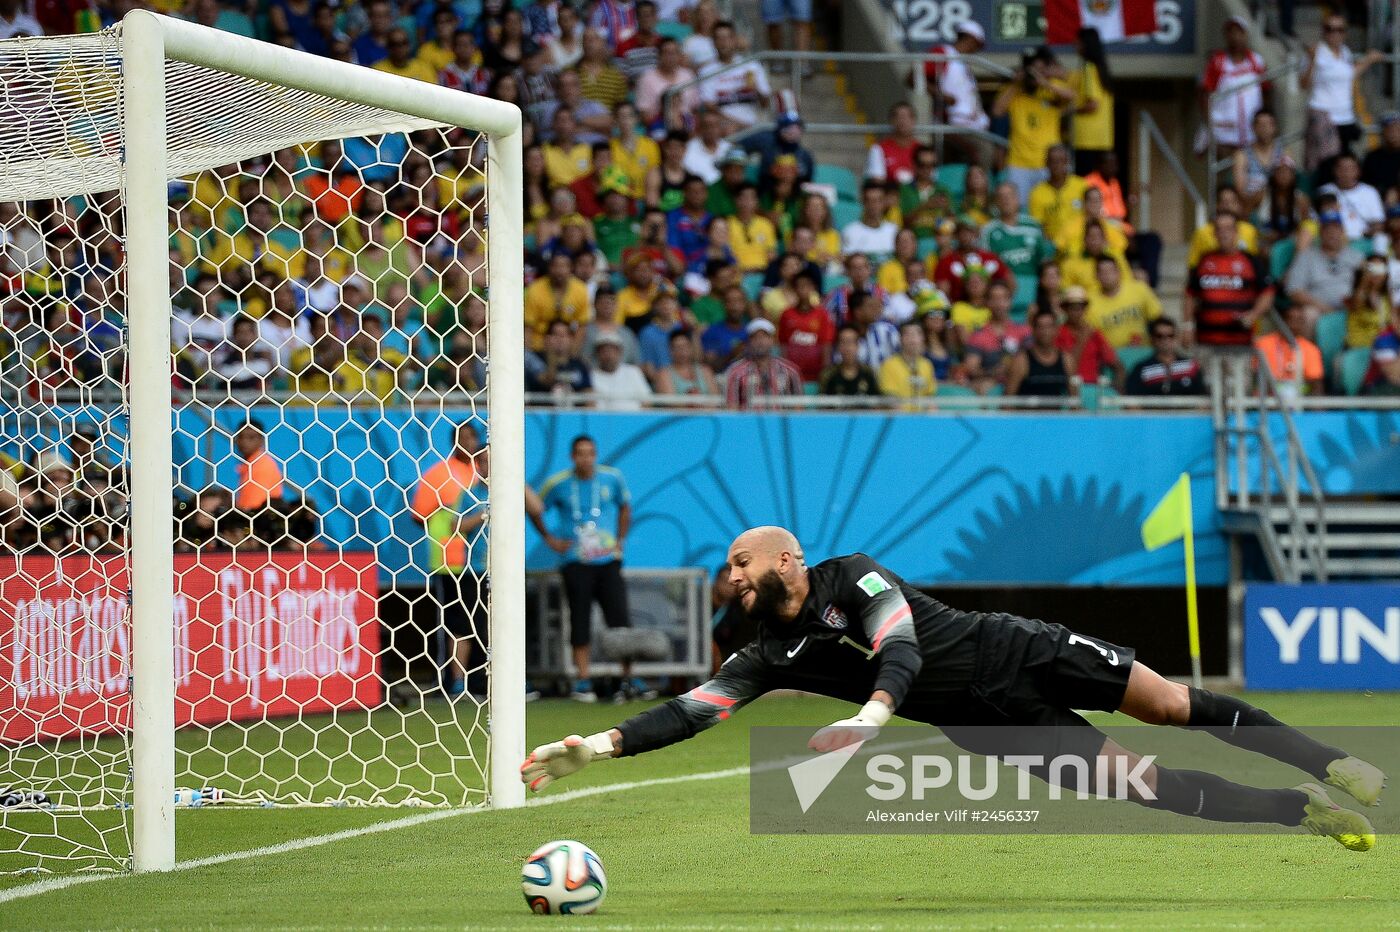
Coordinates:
770 541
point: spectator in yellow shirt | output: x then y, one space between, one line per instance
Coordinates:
643 287
1071 241
908 373
1058 200
1035 100
557 296
1121 307
1227 199
402 62
752 237
566 159
1091 126
1081 267
438 53
634 153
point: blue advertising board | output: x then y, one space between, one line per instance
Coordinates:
1322 636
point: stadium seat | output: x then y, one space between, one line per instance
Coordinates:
841 178
1363 245
954 390
1130 356
843 212
927 246
1331 335
1280 258
832 282
751 173
954 179
673 30
753 285
1353 368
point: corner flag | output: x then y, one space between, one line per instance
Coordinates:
1171 521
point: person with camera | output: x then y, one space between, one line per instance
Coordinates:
1035 101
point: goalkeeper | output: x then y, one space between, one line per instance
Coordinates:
851 629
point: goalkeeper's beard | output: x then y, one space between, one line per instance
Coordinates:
770 594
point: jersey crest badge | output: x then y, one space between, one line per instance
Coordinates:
833 617
873 583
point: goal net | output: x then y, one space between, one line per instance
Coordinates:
247 434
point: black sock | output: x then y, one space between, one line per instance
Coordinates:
1206 796
1236 722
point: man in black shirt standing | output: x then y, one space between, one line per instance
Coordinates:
821 627
1167 371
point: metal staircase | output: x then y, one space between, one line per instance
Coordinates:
1268 492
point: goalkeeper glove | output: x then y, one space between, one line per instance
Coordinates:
852 731
549 762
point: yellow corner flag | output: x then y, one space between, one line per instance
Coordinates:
1169 521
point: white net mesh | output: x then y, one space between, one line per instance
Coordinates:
329 342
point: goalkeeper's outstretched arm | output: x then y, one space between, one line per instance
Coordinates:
743 678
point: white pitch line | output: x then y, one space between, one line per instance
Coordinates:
422 818
315 841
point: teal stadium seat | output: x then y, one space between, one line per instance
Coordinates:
1280 258
954 179
954 390
927 246
843 212
1130 356
753 285
673 30
1364 245
1353 367
1331 335
841 178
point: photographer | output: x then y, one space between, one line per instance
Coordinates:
1035 100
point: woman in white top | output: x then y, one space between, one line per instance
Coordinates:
1256 162
699 46
1331 74
566 48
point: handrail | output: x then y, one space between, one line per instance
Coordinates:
1297 458
1290 65
1148 133
923 129
920 88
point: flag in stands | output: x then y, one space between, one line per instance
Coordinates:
1115 20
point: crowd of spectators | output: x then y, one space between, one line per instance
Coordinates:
662 258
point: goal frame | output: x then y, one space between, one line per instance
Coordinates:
148 40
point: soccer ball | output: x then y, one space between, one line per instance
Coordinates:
564 877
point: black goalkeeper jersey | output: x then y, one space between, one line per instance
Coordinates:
861 628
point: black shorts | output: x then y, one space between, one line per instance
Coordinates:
1030 673
586 583
461 597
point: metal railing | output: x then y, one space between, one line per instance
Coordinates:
1215 164
920 99
1242 417
1149 135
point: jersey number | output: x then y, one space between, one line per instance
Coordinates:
1110 655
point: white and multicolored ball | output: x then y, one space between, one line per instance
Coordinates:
564 877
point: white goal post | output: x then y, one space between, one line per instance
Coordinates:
149 45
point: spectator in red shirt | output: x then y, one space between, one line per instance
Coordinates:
1089 351
991 348
952 268
892 158
1228 291
805 330
760 375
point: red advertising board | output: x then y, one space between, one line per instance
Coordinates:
256 636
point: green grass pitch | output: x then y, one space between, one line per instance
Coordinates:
680 855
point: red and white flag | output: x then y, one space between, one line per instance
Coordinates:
1115 20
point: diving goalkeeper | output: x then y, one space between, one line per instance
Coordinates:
851 629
